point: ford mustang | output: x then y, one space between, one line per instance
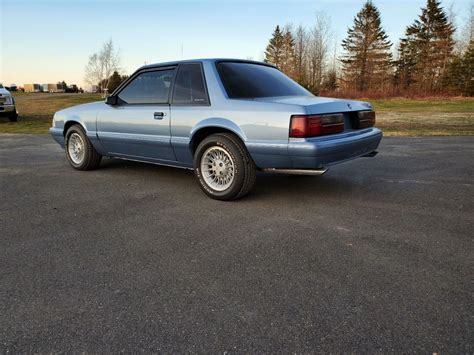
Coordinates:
224 118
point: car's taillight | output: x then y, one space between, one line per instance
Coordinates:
365 119
302 126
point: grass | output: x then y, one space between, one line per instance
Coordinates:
396 117
426 123
36 110
436 105
425 117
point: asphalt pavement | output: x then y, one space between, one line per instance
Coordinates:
376 255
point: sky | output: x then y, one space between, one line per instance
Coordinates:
46 41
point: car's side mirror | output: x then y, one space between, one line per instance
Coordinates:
111 100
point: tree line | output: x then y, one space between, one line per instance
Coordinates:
428 60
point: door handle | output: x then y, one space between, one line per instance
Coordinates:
159 115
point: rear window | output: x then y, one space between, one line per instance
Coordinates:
247 80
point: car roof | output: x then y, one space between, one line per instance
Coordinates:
202 60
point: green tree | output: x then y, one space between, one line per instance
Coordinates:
426 50
367 61
330 82
275 48
468 63
114 81
405 64
459 78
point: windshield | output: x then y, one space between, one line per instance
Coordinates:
246 81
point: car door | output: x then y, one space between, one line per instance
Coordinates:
138 126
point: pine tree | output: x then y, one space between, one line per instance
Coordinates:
114 81
405 64
288 53
460 75
275 48
367 61
427 49
468 64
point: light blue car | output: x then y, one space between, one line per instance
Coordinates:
223 118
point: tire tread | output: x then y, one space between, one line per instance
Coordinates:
92 159
249 171
249 168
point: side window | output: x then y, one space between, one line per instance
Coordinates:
151 87
189 87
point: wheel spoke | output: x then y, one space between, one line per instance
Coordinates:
76 148
218 168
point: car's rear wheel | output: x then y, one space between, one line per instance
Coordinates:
79 151
223 167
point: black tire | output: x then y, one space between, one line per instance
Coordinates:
91 159
13 117
244 167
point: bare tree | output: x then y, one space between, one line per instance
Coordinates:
330 82
94 70
101 66
467 32
300 53
320 37
470 23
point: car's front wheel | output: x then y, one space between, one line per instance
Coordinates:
79 151
13 116
223 167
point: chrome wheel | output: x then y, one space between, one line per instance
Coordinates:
76 148
217 168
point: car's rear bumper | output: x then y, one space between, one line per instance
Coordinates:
307 153
57 135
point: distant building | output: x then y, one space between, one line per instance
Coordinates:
32 88
53 88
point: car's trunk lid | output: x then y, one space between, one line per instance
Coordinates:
317 105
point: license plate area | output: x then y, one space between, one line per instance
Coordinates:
360 119
349 120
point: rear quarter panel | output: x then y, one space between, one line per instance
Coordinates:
262 126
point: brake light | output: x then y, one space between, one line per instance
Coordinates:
302 126
365 119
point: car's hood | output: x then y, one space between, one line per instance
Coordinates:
316 104
4 92
91 106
